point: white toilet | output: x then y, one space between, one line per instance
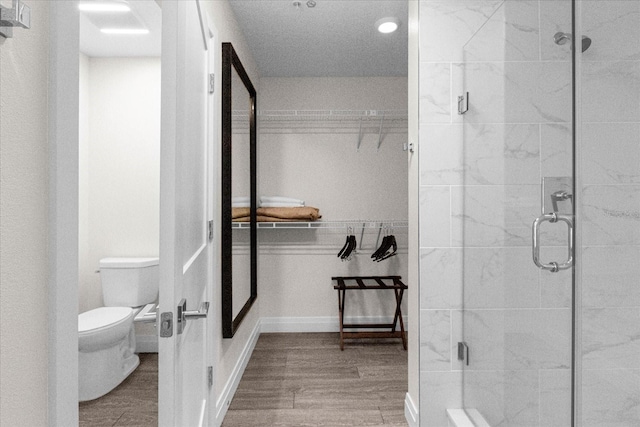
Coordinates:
107 341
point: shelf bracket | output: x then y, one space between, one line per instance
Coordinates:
364 224
359 135
379 233
380 131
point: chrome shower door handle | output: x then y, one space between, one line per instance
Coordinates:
567 219
554 217
553 266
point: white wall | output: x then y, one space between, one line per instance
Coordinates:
325 93
119 165
325 169
24 222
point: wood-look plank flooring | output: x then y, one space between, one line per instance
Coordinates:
291 380
133 403
305 380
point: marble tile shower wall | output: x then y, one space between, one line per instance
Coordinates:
480 191
610 172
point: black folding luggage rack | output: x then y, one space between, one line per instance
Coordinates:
371 283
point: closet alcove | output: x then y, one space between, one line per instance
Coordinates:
339 144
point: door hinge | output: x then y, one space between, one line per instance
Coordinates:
211 230
212 83
463 103
166 324
210 376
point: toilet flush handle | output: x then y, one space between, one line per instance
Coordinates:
183 314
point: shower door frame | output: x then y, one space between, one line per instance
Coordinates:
575 312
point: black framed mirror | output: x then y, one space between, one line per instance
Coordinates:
239 229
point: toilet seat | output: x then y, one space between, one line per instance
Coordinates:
102 317
103 326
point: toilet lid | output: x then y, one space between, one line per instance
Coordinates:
102 317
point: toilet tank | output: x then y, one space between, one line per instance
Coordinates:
129 282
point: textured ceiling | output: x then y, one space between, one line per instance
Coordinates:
337 38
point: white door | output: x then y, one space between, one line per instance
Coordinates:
186 250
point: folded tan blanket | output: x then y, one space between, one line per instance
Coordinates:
261 218
240 212
305 213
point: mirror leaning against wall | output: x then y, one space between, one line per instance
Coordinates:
239 229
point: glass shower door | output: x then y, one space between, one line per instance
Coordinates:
516 124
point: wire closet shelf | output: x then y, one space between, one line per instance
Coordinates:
353 119
335 225
332 115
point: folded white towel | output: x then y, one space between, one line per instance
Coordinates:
241 205
280 199
280 205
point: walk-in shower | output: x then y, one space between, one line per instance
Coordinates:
550 134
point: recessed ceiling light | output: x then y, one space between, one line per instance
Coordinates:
125 31
103 6
387 25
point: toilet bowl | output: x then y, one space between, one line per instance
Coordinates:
106 343
106 335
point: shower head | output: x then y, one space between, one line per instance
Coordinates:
561 38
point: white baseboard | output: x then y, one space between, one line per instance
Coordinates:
234 379
146 343
318 324
410 411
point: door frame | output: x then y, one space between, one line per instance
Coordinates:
63 222
64 87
